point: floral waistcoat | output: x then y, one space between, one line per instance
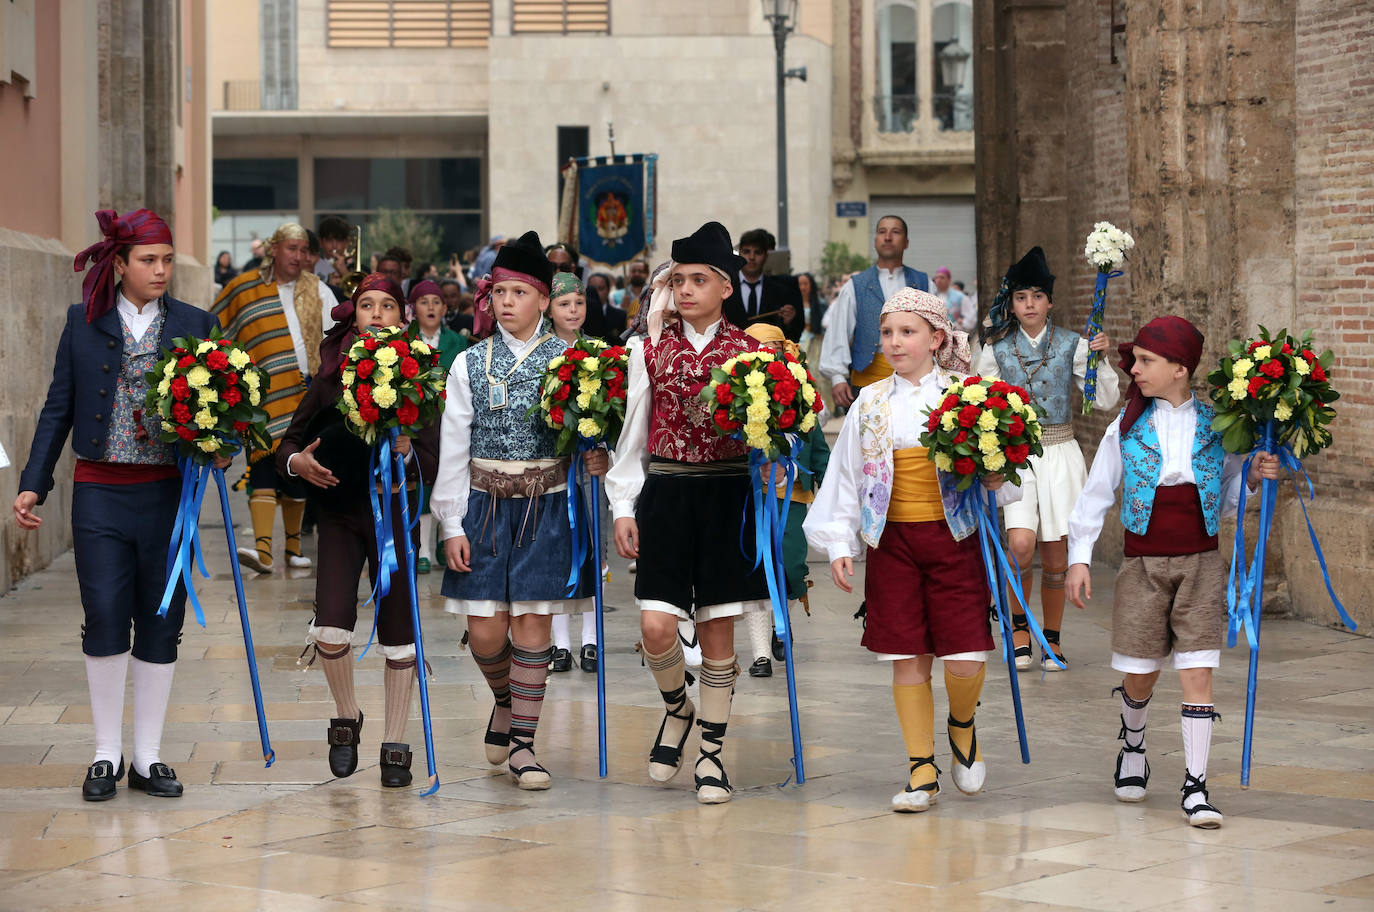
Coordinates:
1052 365
137 358
1141 461
680 426
510 433
875 446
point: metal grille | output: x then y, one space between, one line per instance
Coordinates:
408 23
561 17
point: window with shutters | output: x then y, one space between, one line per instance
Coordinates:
408 23
561 17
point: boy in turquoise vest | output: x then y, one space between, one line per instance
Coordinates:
1176 482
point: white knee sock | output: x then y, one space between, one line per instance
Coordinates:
589 628
561 639
1197 741
760 624
1133 713
152 690
427 536
691 649
105 675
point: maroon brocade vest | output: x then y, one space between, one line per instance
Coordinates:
681 426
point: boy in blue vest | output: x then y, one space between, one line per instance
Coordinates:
1176 482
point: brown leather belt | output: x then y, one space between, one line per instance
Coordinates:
533 481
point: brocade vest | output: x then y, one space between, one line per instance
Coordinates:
131 391
1141 461
681 426
1047 373
868 312
510 433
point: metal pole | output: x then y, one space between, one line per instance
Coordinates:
780 42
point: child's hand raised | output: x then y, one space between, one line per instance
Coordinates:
1079 585
840 568
1099 342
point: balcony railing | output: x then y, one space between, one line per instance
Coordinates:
895 113
242 95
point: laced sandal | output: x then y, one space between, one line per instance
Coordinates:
712 789
532 778
257 559
1019 624
294 557
914 799
1047 663
497 743
1202 814
968 774
1130 788
665 760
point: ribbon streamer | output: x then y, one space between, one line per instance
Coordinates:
1245 583
580 532
579 535
595 497
1094 327
379 476
184 551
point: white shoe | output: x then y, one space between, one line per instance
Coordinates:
1131 794
914 802
1050 665
969 779
1023 662
713 794
250 558
298 561
1201 814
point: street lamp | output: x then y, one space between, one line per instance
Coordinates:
782 15
954 58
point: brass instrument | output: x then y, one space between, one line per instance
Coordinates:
354 252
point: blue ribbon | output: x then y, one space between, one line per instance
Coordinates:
380 476
1094 327
595 497
185 551
579 534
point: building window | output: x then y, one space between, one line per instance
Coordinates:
952 34
896 98
573 142
448 191
408 23
561 17
255 184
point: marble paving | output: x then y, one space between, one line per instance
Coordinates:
1042 836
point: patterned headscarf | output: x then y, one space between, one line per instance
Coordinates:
142 226
1172 338
287 232
953 353
565 283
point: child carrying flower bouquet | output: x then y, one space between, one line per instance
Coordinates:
1170 596
925 586
328 454
1022 345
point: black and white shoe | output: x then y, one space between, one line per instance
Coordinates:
161 781
914 800
1130 789
665 760
101 779
1200 814
562 660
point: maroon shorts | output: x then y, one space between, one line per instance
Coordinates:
926 593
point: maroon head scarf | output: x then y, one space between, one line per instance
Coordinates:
1172 338
427 287
142 226
340 336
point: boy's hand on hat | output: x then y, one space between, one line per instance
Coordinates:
840 568
23 510
993 482
1079 585
1100 342
458 552
627 537
597 461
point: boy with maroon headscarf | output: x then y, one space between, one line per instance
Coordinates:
1170 592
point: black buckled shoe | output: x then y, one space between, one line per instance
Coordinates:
588 661
395 765
779 649
762 668
344 735
161 781
101 779
562 660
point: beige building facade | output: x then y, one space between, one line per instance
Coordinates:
102 106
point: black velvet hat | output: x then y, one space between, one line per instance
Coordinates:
1031 271
709 244
525 255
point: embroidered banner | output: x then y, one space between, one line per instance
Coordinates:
615 207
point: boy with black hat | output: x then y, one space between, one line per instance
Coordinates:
501 487
1170 592
1022 345
678 492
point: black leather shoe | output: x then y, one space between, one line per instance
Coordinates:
395 765
161 781
588 662
101 779
344 735
562 660
779 650
762 668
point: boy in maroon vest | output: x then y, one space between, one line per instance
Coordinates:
678 491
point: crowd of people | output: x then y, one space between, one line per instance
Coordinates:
889 345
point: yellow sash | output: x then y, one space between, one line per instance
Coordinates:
915 488
877 369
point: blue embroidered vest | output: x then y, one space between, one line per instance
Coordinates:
131 389
1141 462
510 433
868 311
1051 365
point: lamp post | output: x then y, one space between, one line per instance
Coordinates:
954 58
782 15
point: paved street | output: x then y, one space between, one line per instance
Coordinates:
1043 836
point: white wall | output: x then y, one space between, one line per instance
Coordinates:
704 104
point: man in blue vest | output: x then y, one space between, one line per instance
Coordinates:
851 355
